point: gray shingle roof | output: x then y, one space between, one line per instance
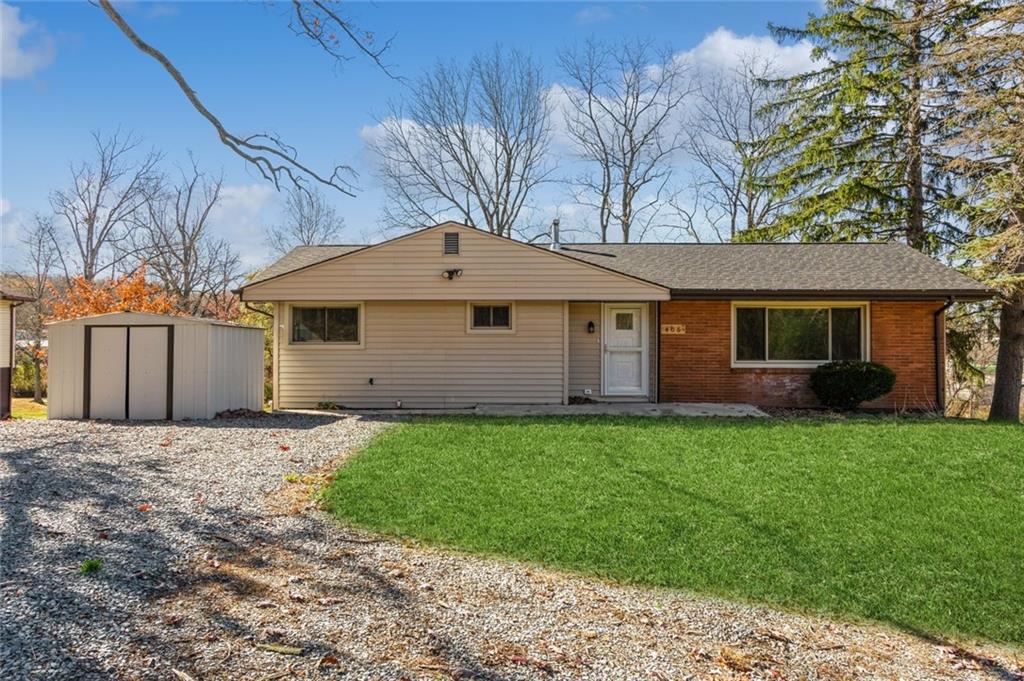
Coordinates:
300 257
13 295
743 269
785 268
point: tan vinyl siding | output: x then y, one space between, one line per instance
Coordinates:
492 269
420 353
6 339
584 350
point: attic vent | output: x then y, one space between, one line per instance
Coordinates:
451 243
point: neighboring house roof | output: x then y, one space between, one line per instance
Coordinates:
11 295
717 270
740 269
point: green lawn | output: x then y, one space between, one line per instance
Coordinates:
25 408
917 523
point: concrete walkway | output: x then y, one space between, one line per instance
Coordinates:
596 408
622 409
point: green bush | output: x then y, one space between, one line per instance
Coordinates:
23 378
845 384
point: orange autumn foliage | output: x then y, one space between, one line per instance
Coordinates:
130 293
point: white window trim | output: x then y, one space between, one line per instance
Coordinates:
863 305
334 345
491 330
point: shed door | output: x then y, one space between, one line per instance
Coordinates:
147 372
108 371
127 376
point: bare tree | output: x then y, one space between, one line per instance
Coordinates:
41 259
622 117
468 143
726 137
179 251
323 23
98 211
309 221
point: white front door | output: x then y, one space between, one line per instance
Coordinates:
624 334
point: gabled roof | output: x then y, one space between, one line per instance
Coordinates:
301 257
760 269
734 270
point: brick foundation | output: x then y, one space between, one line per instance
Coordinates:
696 366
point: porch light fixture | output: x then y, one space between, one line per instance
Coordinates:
591 328
451 274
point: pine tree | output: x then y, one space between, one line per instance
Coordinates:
858 152
984 132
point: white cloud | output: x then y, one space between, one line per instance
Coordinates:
723 49
593 15
24 47
240 218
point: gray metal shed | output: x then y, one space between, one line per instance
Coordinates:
131 365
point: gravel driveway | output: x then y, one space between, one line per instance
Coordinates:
215 565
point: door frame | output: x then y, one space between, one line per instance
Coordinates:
645 366
87 369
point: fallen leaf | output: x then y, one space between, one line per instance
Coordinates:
146 507
166 443
328 661
102 535
284 448
279 649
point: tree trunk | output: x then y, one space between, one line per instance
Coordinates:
915 134
1010 362
37 376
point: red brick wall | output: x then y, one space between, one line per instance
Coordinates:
695 366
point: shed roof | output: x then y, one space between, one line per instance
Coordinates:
129 317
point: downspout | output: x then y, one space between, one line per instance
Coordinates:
250 308
940 358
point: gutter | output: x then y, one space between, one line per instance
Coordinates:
940 357
250 308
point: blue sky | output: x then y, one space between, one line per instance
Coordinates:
67 71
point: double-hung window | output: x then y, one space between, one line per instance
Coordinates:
806 334
331 324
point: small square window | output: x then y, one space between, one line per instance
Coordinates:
624 321
497 317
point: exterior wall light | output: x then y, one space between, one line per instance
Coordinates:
451 274
591 328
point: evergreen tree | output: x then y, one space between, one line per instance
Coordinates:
984 133
858 153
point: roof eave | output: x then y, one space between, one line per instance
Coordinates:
963 295
17 297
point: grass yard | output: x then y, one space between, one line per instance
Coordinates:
25 408
916 523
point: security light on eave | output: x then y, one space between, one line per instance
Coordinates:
451 274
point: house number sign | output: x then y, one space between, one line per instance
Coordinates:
673 329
